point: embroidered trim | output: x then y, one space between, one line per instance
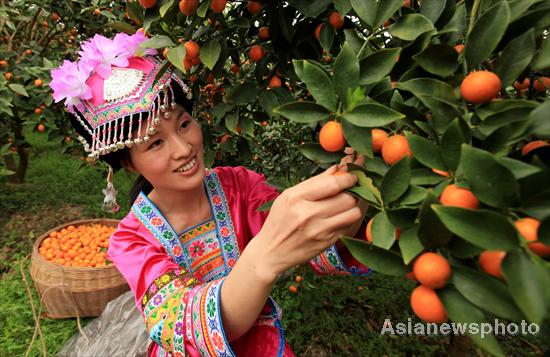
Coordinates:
159 283
149 215
220 213
209 335
330 262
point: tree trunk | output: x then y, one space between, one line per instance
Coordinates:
20 169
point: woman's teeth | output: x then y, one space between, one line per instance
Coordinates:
187 166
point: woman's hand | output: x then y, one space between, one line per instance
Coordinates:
305 220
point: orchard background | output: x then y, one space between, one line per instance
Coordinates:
447 100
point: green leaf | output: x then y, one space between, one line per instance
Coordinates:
432 9
203 8
122 27
537 206
413 196
242 93
486 292
491 182
539 120
365 181
268 101
463 249
410 26
515 57
438 59
432 232
425 177
484 228
210 53
541 61
462 311
372 115
266 206
377 65
19 89
430 88
523 281
165 7
396 181
158 41
544 231
426 152
382 231
518 168
176 56
346 72
500 119
409 244
498 106
378 259
303 112
451 145
231 122
315 152
386 9
319 84
486 34
364 193
342 6
327 35
366 10
360 139
310 8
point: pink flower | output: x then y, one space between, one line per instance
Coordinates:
103 53
217 340
196 249
132 44
69 83
177 251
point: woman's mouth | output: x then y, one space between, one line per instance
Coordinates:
188 166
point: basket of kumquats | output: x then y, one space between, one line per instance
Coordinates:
71 272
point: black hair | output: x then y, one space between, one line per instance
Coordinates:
116 159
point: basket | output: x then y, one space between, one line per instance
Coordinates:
67 292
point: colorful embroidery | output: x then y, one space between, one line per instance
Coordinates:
330 262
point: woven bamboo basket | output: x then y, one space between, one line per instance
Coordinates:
67 292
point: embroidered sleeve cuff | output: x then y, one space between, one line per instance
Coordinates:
331 262
204 321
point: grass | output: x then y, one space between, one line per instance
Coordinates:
329 316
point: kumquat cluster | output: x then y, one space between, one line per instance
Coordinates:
82 246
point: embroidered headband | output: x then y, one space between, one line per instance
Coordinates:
113 89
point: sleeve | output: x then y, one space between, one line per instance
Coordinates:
260 193
337 260
182 315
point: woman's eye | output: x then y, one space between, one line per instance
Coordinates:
185 123
155 143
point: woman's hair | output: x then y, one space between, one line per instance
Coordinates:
116 159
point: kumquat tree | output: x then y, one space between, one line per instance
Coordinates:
36 34
448 102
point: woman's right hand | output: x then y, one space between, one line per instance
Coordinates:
305 220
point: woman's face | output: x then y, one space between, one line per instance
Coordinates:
173 158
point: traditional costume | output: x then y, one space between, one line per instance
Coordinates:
176 277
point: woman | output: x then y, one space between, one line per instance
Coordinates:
198 256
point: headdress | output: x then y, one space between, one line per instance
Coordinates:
115 88
113 82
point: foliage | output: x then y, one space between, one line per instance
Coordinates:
36 36
393 65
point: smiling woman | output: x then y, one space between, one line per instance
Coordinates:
199 257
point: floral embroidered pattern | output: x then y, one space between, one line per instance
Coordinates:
330 262
196 249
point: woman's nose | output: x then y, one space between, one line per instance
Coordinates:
180 147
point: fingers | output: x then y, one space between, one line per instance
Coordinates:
331 228
333 205
324 185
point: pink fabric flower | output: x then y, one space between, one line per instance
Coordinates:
69 83
103 53
132 44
